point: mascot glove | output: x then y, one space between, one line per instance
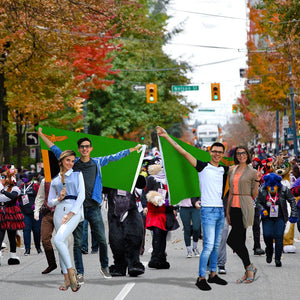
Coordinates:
293 219
264 213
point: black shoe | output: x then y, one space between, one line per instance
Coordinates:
259 251
27 252
217 280
49 269
84 251
278 263
269 259
202 284
39 250
94 251
115 271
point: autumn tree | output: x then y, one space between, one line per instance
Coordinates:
273 47
51 47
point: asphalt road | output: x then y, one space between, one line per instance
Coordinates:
26 282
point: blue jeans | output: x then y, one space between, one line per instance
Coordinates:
212 220
188 214
35 226
273 228
94 217
85 243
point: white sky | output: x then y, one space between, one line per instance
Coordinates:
211 31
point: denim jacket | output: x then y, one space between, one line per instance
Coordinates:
100 162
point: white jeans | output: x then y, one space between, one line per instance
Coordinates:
63 232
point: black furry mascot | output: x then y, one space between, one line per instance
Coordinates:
125 231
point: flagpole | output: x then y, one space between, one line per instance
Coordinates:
162 158
138 168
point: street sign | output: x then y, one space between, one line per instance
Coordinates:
285 122
206 110
184 88
32 152
32 139
254 81
141 87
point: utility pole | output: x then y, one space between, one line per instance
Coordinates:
293 115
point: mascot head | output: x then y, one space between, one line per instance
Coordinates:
272 182
8 178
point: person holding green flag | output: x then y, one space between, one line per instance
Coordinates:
212 178
91 170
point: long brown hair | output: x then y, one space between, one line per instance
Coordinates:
63 155
246 150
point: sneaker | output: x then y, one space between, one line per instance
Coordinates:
202 285
222 270
259 251
189 254
27 252
84 251
217 280
80 279
105 273
196 252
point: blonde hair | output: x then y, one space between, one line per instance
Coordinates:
63 155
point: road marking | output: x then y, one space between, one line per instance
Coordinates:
125 290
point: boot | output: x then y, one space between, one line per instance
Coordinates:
51 261
14 259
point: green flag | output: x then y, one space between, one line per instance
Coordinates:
121 174
182 177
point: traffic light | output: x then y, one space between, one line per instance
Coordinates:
151 93
215 91
234 108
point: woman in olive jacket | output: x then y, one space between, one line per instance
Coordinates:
272 201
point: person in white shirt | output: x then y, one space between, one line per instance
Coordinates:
67 193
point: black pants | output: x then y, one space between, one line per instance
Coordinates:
256 229
159 243
11 237
237 236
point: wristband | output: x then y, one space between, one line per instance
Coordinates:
257 180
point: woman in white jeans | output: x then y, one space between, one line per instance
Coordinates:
67 193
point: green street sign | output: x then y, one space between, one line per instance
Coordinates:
184 88
212 110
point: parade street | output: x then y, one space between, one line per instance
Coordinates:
26 282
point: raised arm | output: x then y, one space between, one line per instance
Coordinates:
190 158
44 138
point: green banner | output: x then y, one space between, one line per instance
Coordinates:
183 179
120 174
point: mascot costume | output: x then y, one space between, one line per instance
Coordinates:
11 218
282 167
272 201
160 213
125 230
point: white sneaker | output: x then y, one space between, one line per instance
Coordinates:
196 252
189 254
